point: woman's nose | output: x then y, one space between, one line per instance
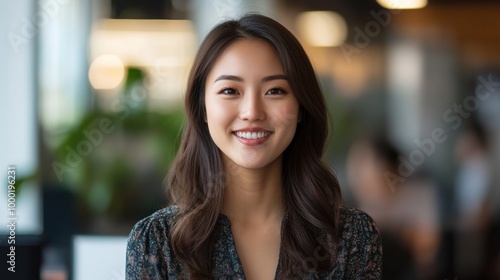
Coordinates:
252 108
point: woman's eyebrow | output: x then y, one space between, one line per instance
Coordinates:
240 79
275 77
229 77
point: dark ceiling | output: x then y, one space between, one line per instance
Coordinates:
473 23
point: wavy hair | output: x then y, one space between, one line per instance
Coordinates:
196 180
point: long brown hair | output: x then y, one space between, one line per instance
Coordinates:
196 179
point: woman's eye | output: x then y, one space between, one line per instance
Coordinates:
228 91
275 91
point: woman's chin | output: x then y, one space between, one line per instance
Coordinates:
252 162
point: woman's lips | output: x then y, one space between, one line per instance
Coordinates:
252 138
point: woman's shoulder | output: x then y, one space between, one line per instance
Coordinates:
149 255
351 216
360 243
167 213
355 221
160 221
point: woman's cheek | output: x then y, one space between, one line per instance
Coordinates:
287 115
219 114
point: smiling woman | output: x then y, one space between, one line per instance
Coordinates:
251 197
251 110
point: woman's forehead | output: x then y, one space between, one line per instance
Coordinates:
247 57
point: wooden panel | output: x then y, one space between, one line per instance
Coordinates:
474 27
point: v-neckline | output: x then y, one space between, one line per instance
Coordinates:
227 223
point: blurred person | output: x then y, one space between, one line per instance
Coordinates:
473 185
473 178
493 239
251 197
405 209
418 217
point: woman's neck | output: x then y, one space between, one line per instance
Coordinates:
253 195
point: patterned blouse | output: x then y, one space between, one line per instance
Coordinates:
149 255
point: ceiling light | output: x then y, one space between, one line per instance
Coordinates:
322 28
106 72
402 4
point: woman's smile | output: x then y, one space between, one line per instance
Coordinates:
252 136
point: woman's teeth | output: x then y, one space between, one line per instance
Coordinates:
252 135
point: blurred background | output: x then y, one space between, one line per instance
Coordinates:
91 114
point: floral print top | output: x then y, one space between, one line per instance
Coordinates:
149 255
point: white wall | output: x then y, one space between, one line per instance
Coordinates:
18 113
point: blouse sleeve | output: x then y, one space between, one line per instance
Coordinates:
365 255
148 253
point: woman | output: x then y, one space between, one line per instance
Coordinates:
251 198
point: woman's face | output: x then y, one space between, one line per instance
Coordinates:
252 113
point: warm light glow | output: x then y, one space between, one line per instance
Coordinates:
140 43
402 4
322 28
162 49
106 72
